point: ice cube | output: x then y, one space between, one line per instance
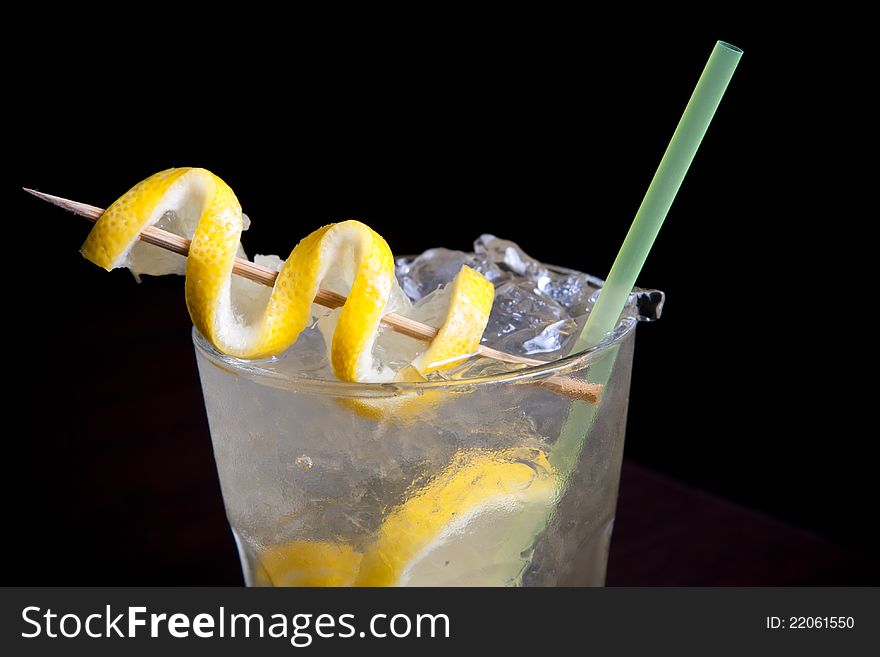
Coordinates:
553 338
509 256
570 289
422 274
272 262
525 322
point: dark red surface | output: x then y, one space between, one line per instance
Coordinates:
126 492
670 534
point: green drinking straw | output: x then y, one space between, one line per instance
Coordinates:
622 277
661 193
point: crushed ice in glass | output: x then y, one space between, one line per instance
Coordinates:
538 312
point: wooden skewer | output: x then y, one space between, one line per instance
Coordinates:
570 387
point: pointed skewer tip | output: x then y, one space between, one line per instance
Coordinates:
43 195
84 210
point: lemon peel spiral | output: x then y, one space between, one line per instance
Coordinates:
205 209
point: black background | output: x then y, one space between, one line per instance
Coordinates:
544 131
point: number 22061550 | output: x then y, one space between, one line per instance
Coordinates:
811 623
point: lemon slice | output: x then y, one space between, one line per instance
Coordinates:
308 563
472 525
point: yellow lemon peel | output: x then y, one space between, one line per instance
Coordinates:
200 199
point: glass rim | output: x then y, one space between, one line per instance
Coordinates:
252 369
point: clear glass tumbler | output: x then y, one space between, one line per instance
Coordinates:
495 481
